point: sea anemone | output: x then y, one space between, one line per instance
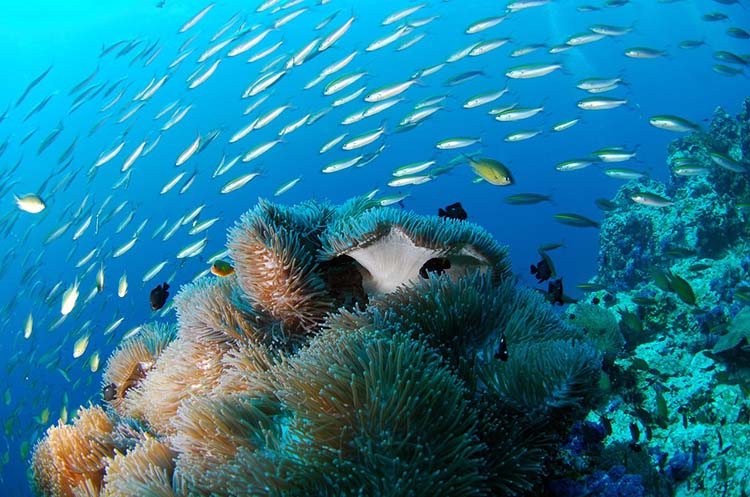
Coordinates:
394 247
273 250
601 327
516 448
542 377
146 470
210 311
185 368
246 369
386 412
264 391
71 459
210 432
130 363
464 318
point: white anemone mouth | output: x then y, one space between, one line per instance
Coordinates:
394 260
391 261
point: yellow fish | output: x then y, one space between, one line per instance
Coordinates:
491 170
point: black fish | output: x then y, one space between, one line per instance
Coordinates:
544 269
555 291
541 271
437 265
159 296
502 349
453 211
109 392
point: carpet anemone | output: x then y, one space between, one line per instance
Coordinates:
184 369
366 398
463 318
130 364
353 352
516 448
71 459
395 247
210 432
210 311
246 369
273 250
146 470
539 378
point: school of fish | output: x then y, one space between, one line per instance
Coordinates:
164 114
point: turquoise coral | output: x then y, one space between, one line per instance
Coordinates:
682 387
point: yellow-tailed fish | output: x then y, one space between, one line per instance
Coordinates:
93 363
108 156
122 285
124 248
28 326
100 278
171 183
197 17
192 249
69 299
286 186
80 346
189 151
30 203
203 77
112 326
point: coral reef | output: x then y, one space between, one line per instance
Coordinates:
678 278
707 221
357 350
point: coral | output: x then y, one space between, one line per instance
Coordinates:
680 466
737 332
600 325
677 387
614 483
705 217
354 350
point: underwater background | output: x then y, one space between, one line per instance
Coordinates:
104 57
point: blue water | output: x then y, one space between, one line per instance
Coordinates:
70 36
